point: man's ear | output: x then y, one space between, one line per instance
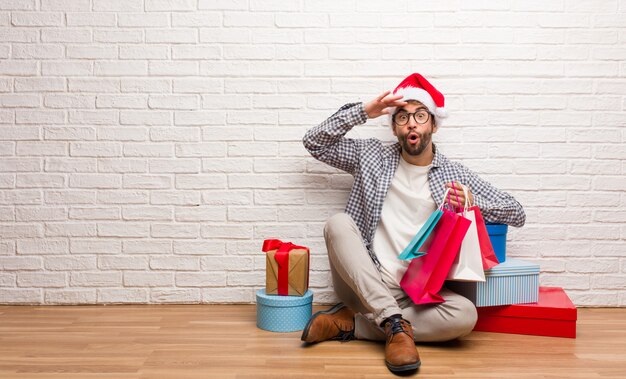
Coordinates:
393 129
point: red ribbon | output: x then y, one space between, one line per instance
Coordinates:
282 258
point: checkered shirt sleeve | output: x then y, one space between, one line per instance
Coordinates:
326 142
495 205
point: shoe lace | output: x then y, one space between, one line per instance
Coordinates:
344 335
396 325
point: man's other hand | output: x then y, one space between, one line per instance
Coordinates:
458 199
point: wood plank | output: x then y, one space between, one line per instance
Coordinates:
222 341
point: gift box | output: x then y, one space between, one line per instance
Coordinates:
283 313
286 268
553 315
497 235
512 282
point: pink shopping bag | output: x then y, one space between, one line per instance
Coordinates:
425 275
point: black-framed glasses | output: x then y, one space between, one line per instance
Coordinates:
402 118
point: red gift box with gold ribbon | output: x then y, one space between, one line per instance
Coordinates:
287 268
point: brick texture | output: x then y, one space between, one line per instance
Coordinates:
147 147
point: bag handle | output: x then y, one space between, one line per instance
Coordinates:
457 197
467 204
443 201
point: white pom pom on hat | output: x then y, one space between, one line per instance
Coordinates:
416 87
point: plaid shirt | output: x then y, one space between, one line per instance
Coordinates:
373 166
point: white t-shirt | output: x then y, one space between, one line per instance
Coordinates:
405 210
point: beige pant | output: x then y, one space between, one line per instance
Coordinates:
359 285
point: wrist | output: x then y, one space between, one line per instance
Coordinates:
364 111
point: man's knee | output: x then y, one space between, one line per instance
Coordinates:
467 317
338 223
457 319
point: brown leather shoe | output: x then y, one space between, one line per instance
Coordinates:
336 323
400 351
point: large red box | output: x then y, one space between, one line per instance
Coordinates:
553 315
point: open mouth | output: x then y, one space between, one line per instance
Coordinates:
413 138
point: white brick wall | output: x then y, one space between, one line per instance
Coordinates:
147 147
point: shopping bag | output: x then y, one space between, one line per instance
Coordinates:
487 253
414 248
468 264
425 275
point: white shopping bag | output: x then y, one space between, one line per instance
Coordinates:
468 265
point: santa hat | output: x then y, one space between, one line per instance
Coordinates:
416 87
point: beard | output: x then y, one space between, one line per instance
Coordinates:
419 148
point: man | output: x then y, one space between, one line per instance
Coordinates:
396 188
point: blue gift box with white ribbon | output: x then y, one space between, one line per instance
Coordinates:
283 313
512 282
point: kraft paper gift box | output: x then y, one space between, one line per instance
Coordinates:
553 315
512 282
287 268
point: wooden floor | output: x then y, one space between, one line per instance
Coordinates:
222 341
